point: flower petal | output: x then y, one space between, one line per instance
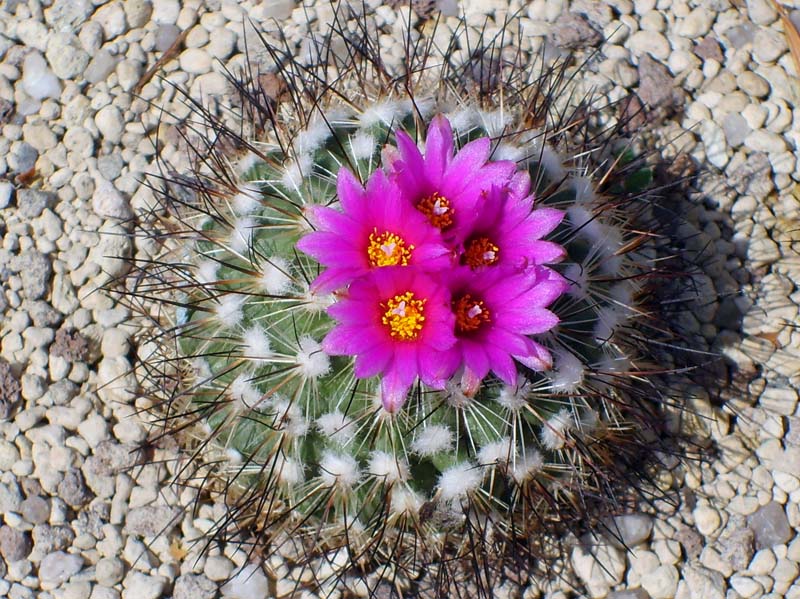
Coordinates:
537 357
438 149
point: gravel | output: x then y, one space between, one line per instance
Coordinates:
80 517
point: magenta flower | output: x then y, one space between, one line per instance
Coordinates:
446 188
397 323
495 311
375 229
507 230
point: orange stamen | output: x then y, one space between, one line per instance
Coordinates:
470 314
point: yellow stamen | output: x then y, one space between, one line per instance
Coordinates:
388 249
403 316
470 314
437 208
481 252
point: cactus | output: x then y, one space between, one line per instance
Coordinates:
278 355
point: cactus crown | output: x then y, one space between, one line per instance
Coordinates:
263 353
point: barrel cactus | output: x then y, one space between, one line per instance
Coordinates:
403 313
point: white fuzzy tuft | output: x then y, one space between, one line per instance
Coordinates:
464 119
312 362
553 434
608 320
246 396
621 294
578 277
296 170
242 234
229 309
527 466
206 272
233 456
455 396
513 397
405 501
568 373
338 469
201 369
256 345
459 480
248 200
309 141
584 190
362 145
275 276
499 452
289 471
495 122
385 112
589 421
388 467
432 440
553 164
337 427
289 418
246 162
580 217
315 303
506 151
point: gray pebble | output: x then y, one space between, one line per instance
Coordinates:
72 489
10 394
166 36
150 520
656 84
737 548
35 270
573 31
6 194
14 544
138 12
23 157
100 67
68 15
629 530
32 202
58 567
109 571
110 166
629 594
35 510
66 56
736 129
43 314
10 497
141 586
194 586
47 538
770 526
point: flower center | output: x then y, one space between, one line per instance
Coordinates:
387 249
403 316
471 314
437 208
480 251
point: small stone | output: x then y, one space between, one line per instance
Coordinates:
222 44
14 544
32 202
56 568
753 85
195 61
650 42
23 157
763 563
248 582
735 128
770 526
629 594
737 548
91 37
704 583
761 12
662 582
112 19
141 586
708 48
573 31
47 538
6 194
165 37
108 202
769 46
695 24
68 15
600 567
109 571
765 141
149 521
165 12
656 85
218 568
138 12
629 530
72 489
746 586
40 136
66 56
706 519
109 121
194 586
38 80
35 510
35 270
100 67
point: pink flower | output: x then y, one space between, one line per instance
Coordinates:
397 323
507 230
376 228
446 188
495 311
